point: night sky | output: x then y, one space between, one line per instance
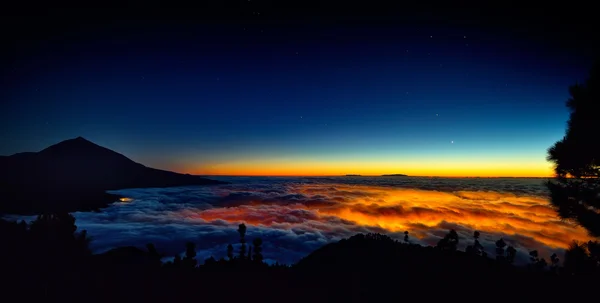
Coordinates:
254 95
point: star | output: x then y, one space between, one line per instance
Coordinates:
296 53
452 141
430 36
464 37
436 115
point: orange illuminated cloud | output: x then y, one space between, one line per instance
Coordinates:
337 207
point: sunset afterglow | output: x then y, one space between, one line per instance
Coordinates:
376 167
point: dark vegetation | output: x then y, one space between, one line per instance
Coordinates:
48 259
395 175
575 191
74 175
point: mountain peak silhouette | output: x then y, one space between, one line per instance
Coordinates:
76 169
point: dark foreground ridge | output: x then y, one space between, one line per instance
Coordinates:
395 175
49 260
74 175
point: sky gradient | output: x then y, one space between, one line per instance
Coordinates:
296 99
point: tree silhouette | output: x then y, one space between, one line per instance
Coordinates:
554 262
477 247
593 248
258 257
533 256
249 256
242 232
511 253
190 255
406 237
500 244
153 253
230 252
449 242
177 261
575 190
541 264
210 261
55 235
577 260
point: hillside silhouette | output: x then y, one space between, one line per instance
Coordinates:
74 175
49 259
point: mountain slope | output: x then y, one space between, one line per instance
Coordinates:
74 175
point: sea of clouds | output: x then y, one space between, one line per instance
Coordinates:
295 216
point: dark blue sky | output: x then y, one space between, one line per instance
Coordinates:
302 98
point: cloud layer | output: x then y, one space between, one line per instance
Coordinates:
296 216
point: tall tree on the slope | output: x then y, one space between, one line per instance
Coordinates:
575 190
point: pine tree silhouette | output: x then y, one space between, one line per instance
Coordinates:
575 190
190 255
242 232
230 252
500 244
258 257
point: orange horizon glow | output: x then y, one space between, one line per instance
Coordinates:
373 168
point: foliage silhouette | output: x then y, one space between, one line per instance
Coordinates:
449 242
500 245
511 253
349 262
258 257
575 190
230 252
190 255
242 232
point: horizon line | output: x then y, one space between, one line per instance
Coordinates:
360 175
